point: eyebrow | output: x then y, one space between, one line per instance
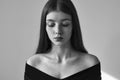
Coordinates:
61 20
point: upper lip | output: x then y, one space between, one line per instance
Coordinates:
58 38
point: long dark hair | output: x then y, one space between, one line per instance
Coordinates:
65 6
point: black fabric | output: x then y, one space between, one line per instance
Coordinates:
91 73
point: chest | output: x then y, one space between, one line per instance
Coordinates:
60 71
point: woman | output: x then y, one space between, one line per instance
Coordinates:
61 54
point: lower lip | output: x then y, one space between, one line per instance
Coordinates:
58 39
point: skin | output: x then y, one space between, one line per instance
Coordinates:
62 61
59 24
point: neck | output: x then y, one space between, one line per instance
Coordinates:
61 53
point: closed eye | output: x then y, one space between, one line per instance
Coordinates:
66 23
50 24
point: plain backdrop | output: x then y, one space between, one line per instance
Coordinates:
19 33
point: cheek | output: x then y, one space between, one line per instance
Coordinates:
49 31
69 30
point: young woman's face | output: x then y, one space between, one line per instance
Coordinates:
59 27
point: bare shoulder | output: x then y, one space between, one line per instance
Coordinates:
34 59
90 59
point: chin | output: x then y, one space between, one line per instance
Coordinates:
58 44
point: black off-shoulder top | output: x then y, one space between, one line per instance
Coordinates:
91 73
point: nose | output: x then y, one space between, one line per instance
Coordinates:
58 30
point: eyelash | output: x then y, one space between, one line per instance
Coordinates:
65 25
53 24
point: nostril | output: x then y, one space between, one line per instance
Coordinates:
58 30
60 33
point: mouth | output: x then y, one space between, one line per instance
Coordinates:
58 38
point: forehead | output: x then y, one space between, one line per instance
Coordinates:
58 15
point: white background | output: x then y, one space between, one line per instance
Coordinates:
19 33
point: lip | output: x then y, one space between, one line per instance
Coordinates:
58 38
